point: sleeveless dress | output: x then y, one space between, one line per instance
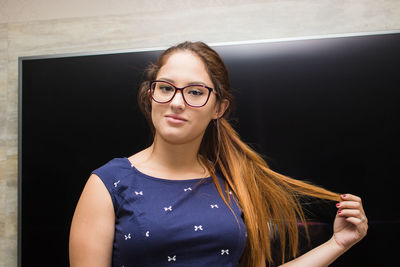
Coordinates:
161 222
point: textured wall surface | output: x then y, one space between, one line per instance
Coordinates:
44 27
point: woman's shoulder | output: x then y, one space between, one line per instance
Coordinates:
113 165
112 171
116 177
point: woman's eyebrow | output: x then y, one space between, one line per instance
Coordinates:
190 83
197 82
166 79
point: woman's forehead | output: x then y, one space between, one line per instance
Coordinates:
184 66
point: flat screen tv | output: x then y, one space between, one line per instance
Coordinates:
324 109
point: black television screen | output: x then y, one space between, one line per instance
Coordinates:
325 110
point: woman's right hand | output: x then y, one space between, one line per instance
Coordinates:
92 228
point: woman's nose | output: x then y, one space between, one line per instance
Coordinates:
178 100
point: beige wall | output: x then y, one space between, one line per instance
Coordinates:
44 27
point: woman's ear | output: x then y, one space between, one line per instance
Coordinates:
220 108
149 93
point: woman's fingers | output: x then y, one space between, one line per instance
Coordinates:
349 205
351 208
350 201
356 213
359 223
350 197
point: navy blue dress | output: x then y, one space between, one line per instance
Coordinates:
162 222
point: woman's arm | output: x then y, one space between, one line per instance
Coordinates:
92 228
350 226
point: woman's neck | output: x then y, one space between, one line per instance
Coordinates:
175 156
164 159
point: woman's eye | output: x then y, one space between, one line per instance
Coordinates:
166 88
194 92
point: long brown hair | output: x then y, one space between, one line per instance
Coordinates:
270 201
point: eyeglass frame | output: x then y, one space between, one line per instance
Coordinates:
210 89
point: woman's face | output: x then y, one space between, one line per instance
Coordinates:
175 121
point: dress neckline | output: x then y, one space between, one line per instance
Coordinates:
164 179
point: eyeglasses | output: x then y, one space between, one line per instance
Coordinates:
195 95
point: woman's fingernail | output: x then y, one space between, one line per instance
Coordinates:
339 211
344 195
338 205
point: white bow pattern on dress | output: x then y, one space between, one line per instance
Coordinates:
173 258
169 208
224 251
147 234
187 189
214 206
200 227
139 193
127 236
116 183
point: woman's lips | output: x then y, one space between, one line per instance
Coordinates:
175 119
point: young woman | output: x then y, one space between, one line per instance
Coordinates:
198 196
